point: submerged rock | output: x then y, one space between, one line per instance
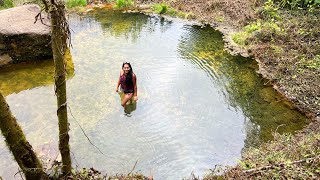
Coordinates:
20 38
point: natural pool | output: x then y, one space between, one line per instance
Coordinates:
198 105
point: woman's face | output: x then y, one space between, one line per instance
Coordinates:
126 68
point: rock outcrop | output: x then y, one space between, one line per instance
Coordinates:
21 39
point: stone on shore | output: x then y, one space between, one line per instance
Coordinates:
20 38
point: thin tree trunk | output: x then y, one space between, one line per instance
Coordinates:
18 145
60 34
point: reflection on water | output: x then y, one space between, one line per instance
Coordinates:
19 77
264 109
198 106
127 25
130 106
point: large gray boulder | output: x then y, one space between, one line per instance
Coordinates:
20 38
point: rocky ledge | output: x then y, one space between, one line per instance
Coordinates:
21 37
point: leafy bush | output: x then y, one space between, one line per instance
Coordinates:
270 10
4 4
160 8
299 3
253 27
120 4
75 3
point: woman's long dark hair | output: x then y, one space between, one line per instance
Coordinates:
129 80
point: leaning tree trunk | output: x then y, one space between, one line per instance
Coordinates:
60 35
17 143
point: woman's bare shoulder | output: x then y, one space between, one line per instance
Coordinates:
121 72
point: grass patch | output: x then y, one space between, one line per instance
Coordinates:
172 12
287 157
219 18
276 49
315 63
270 10
265 31
311 63
162 8
241 38
122 4
5 4
76 3
253 27
184 15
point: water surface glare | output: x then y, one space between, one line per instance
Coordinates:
198 106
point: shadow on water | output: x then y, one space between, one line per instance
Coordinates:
28 75
244 90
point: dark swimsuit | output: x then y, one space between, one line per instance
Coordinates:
125 88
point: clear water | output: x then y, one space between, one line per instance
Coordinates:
198 106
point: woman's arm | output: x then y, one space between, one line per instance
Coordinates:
135 94
118 84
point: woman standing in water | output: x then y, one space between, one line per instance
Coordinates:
128 83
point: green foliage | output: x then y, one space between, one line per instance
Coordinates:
292 4
121 4
172 12
271 27
161 8
240 38
270 10
271 7
75 3
253 27
262 30
4 4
